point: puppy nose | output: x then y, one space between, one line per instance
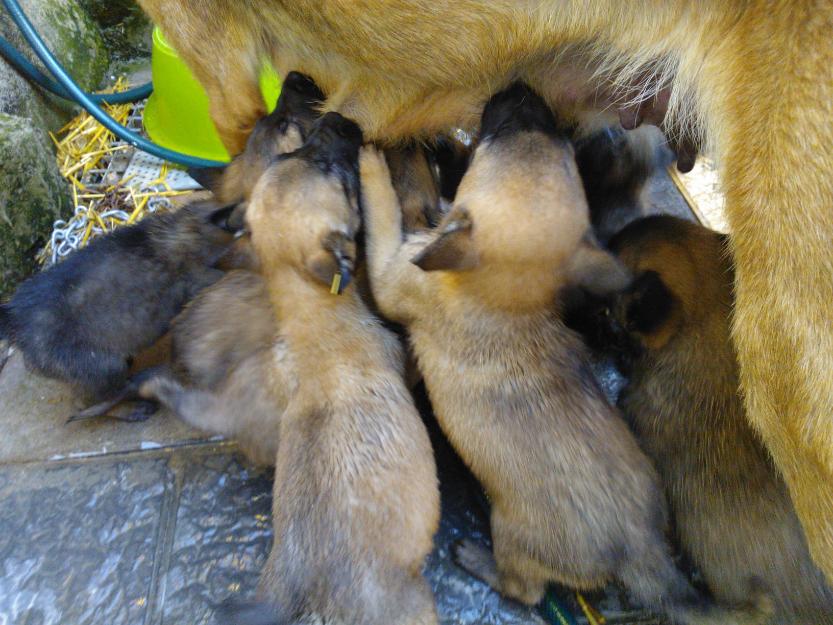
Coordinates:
515 109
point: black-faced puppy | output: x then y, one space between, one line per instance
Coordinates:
451 157
282 131
574 499
614 165
356 497
670 330
81 321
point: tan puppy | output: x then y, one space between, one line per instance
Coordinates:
671 332
416 185
282 131
754 79
356 495
232 373
574 500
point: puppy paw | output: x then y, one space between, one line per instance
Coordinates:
140 411
372 164
476 560
233 611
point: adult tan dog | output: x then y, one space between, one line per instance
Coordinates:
752 79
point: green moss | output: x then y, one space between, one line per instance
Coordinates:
32 196
75 40
124 26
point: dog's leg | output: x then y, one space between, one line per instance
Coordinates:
216 42
477 561
129 391
774 130
235 117
198 408
394 279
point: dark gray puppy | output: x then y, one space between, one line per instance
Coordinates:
82 320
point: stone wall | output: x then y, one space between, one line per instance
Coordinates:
89 37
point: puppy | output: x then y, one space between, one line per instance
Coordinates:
614 166
82 320
416 185
574 500
356 496
231 372
670 332
451 157
282 131
753 80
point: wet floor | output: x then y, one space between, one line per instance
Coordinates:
154 523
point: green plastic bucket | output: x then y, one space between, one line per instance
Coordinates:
176 115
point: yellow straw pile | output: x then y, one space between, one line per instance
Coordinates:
83 147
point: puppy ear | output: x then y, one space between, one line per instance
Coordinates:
237 219
596 270
207 177
222 217
453 248
333 264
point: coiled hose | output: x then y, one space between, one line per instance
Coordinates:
67 88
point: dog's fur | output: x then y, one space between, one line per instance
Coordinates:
356 496
670 332
416 185
614 165
231 372
574 500
753 80
82 320
283 130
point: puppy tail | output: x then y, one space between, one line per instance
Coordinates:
237 612
659 585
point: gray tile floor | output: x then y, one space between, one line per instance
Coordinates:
153 524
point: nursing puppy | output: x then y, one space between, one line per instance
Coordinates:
732 511
614 165
356 497
416 186
403 72
574 500
83 319
451 157
231 372
282 131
